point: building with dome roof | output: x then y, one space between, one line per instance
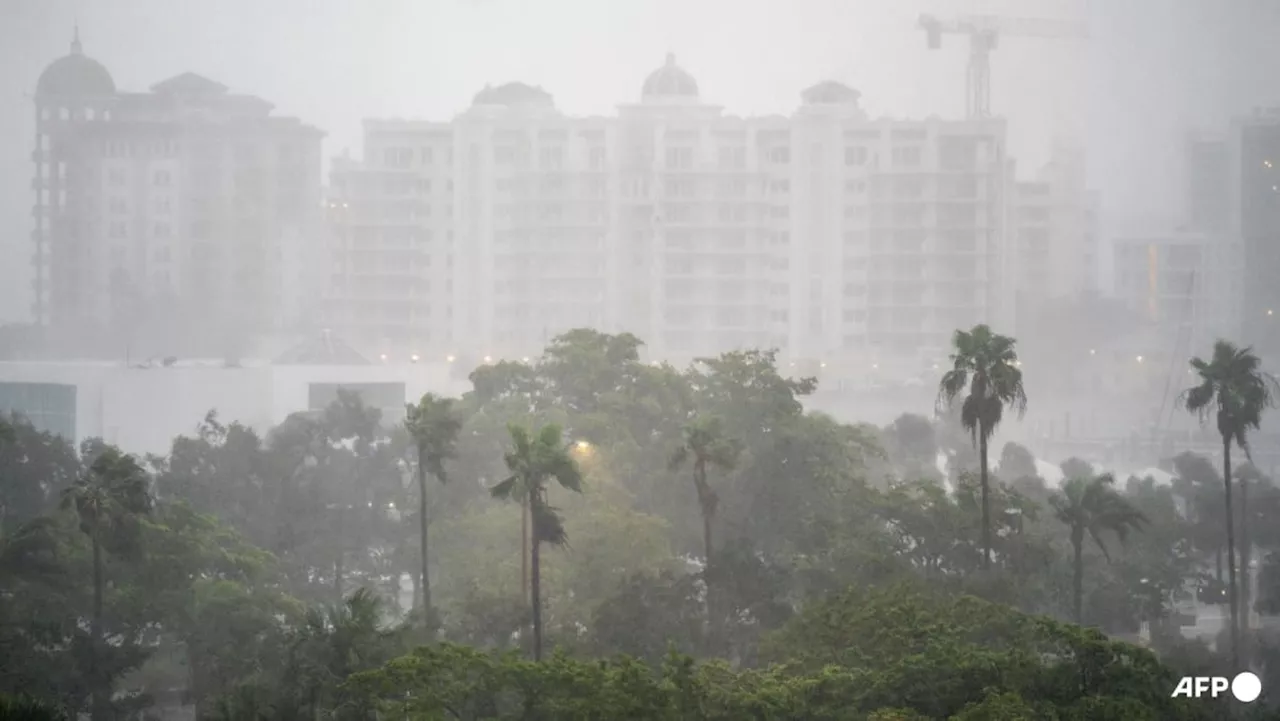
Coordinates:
188 210
847 242
669 83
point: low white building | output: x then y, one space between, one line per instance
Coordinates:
142 407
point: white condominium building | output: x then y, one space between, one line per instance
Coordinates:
837 238
183 220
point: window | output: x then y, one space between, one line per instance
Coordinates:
119 206
678 188
162 178
779 187
780 212
855 187
117 229
680 158
855 156
596 158
161 230
732 158
780 155
162 254
504 155
551 158
164 206
906 156
117 177
400 158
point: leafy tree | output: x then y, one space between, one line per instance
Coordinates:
912 445
533 461
1233 387
1090 505
35 466
1017 463
433 426
987 364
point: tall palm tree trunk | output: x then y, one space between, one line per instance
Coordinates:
708 513
1077 575
1246 572
425 583
100 698
535 583
986 498
524 549
338 562
1232 598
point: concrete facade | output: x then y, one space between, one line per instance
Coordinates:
840 239
187 204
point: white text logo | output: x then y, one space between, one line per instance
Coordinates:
1246 687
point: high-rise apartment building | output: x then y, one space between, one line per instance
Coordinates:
1054 237
187 217
835 237
1254 162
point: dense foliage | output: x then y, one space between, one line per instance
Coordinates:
687 544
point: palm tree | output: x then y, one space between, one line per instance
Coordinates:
107 499
533 461
1233 387
433 426
987 364
1089 504
705 443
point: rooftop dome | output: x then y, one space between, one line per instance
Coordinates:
75 74
669 81
829 92
513 94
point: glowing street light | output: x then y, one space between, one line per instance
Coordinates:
413 358
1139 359
1269 311
488 359
451 358
875 366
383 357
1093 351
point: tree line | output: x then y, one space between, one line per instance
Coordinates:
731 554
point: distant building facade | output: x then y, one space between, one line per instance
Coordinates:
1233 193
1054 228
184 214
1183 285
837 238
1254 162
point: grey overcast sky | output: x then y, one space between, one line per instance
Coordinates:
1152 69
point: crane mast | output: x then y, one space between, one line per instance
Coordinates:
984 33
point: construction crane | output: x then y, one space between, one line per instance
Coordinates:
984 33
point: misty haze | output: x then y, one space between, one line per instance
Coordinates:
484 359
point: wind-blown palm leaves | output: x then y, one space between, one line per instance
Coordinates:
1090 505
987 365
433 427
533 461
107 500
1234 389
